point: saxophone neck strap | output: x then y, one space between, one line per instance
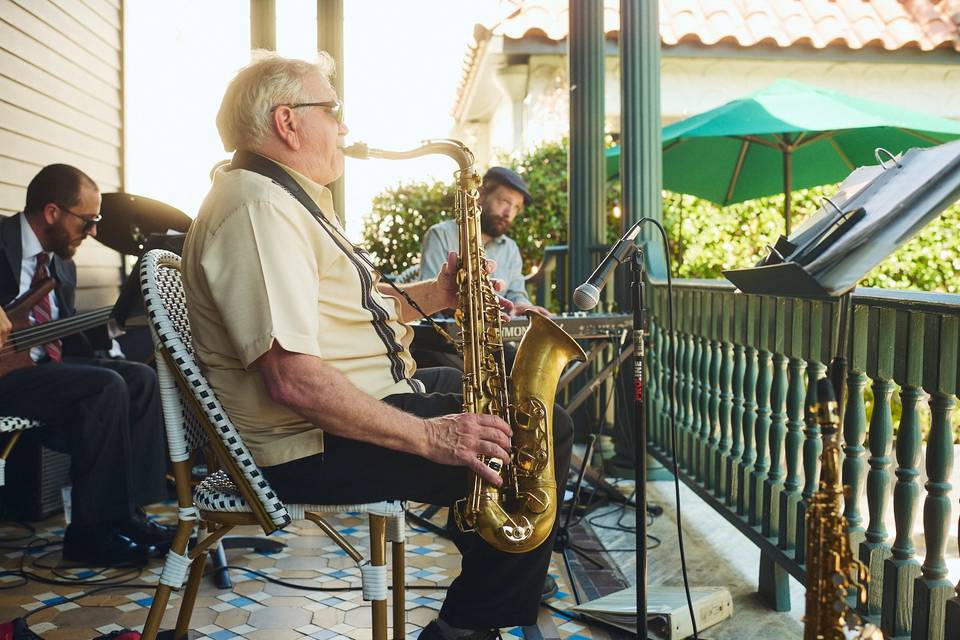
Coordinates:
266 167
250 161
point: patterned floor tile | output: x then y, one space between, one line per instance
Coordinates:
253 609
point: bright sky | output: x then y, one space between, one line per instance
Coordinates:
401 70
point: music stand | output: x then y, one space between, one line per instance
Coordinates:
877 209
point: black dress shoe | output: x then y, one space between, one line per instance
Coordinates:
145 532
433 632
102 545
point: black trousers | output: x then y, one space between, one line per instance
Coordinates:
104 413
494 588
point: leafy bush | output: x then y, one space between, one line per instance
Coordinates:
706 239
393 231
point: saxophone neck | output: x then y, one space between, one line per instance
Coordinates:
449 147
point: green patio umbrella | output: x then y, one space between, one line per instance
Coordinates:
787 136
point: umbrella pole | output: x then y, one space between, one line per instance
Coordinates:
787 186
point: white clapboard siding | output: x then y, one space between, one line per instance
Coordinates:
61 100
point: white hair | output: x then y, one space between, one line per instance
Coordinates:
245 112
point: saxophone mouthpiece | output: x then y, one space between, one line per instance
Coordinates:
358 150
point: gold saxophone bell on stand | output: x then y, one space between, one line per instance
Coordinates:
520 515
832 570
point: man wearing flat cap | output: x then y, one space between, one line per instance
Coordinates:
503 194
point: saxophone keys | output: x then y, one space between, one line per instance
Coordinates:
537 500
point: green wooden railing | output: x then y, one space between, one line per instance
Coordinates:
746 371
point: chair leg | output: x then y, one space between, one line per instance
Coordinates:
398 548
157 608
378 558
5 453
182 630
162 596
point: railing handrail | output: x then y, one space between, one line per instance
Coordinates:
907 299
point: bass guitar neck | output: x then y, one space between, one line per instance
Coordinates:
15 354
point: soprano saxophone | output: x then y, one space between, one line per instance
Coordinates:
520 515
832 569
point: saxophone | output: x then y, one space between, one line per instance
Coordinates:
518 516
832 569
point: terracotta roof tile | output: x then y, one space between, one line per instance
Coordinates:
889 25
926 24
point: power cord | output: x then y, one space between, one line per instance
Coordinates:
673 419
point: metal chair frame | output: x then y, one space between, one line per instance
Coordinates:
15 426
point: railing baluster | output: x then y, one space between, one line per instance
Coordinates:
749 420
812 448
673 424
683 373
736 425
854 465
713 409
932 588
705 389
901 569
778 431
666 382
793 443
696 387
726 412
874 551
761 442
652 391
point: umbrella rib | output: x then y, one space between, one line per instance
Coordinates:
843 156
758 140
917 134
817 138
736 170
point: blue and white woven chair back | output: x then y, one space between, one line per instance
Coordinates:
165 303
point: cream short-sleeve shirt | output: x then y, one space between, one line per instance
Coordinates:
259 268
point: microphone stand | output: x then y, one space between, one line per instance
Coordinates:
640 435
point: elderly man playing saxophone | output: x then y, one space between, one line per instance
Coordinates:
310 355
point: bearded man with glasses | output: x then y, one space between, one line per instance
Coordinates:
104 412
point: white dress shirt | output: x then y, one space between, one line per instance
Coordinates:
28 266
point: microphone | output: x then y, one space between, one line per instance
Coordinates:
587 295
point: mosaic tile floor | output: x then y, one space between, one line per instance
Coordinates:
253 608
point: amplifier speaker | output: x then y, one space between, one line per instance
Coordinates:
35 475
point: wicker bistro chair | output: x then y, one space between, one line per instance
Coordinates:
237 494
14 426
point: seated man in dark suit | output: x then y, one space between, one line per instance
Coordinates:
105 413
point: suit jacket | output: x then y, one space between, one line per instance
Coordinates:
63 271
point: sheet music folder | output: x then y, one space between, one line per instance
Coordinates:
876 210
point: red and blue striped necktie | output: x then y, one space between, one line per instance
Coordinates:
41 312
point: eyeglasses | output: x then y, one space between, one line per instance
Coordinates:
89 222
333 107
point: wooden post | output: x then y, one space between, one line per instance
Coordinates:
263 24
